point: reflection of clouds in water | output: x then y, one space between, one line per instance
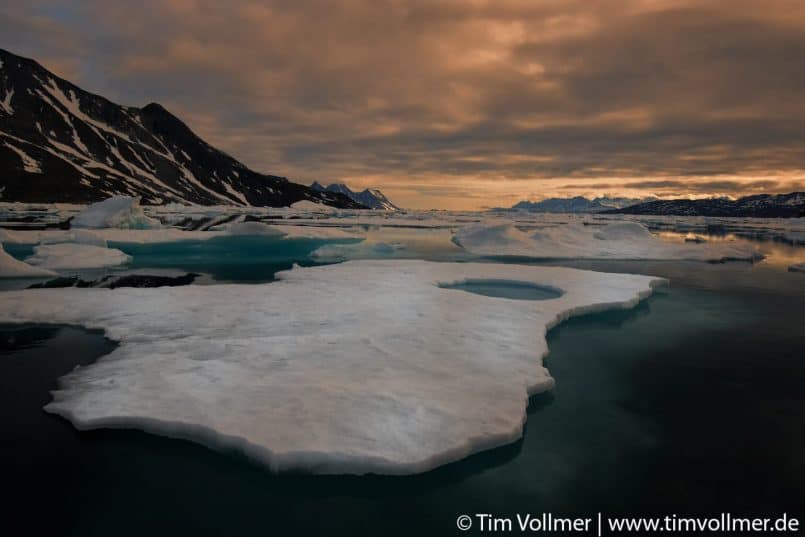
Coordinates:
775 252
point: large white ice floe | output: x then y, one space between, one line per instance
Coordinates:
366 366
115 212
620 240
14 268
75 256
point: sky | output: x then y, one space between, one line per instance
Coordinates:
457 104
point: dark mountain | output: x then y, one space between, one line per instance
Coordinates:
761 206
59 143
370 197
576 204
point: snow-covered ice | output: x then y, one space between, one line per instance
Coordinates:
115 212
254 228
366 366
308 205
75 256
619 240
80 236
14 268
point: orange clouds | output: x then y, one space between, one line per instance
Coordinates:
496 100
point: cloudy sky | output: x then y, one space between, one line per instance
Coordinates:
457 103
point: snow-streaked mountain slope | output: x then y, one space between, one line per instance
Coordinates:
59 143
756 206
576 204
370 197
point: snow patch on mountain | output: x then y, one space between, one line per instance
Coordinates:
29 164
370 197
578 204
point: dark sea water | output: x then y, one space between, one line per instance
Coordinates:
691 403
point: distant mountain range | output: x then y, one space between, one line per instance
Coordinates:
761 206
576 204
59 143
370 197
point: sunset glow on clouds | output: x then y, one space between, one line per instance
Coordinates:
458 104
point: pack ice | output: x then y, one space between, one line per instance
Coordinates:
620 240
14 268
366 366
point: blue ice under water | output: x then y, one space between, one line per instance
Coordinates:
511 289
240 258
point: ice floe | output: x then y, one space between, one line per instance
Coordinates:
308 205
115 212
254 228
365 366
14 268
619 240
80 236
75 256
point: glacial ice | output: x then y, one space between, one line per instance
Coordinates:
76 256
366 366
115 212
14 268
619 240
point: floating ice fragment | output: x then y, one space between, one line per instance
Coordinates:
115 212
74 256
14 268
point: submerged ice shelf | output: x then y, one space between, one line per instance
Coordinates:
366 366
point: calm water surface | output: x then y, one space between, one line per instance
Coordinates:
693 402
